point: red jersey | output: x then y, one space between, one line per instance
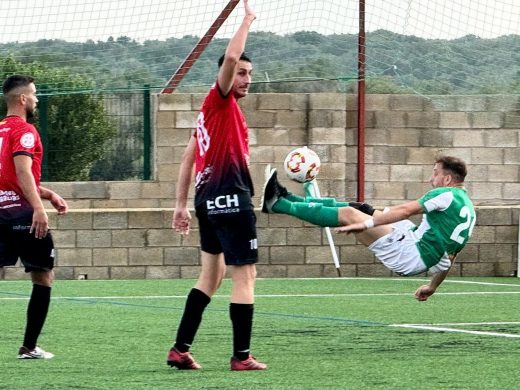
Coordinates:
222 153
17 137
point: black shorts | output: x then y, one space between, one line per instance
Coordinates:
227 224
36 254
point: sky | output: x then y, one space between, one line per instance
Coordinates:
141 20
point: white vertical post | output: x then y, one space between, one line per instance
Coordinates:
518 250
311 189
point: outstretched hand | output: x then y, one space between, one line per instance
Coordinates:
424 292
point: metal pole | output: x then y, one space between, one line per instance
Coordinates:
43 128
311 189
361 105
146 133
518 251
199 48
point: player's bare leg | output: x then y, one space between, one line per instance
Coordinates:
350 215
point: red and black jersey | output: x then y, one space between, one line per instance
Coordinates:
17 137
222 153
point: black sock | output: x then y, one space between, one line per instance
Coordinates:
242 319
36 314
363 207
191 319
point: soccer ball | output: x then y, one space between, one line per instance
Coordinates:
302 165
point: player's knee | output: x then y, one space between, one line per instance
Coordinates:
210 282
43 278
348 215
245 273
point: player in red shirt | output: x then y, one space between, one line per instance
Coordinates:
24 224
219 150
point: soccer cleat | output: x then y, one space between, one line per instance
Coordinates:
273 190
246 365
182 360
36 353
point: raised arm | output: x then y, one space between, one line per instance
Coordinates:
234 50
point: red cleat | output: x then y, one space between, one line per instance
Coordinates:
246 365
182 360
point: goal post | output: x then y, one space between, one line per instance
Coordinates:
312 189
518 250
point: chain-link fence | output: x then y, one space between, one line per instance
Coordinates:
91 136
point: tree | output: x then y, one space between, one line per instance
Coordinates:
286 63
77 126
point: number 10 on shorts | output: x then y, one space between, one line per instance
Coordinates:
253 243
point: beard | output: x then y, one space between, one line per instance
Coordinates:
30 113
239 94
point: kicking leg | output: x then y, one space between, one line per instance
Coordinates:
349 215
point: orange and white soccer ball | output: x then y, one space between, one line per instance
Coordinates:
302 165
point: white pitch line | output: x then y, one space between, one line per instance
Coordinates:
479 293
482 283
216 296
473 323
401 279
343 278
444 329
346 295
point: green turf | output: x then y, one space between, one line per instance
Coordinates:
339 338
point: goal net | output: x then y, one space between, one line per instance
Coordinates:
414 46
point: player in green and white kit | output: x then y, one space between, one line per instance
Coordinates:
403 247
448 221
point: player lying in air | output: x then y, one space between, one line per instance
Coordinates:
404 248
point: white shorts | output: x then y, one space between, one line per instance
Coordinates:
398 252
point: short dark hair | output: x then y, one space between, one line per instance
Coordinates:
15 81
455 166
243 57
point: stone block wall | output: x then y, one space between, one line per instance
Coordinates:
122 229
139 243
403 134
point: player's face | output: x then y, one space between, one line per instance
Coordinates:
439 177
242 79
30 100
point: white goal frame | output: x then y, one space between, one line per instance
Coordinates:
518 250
